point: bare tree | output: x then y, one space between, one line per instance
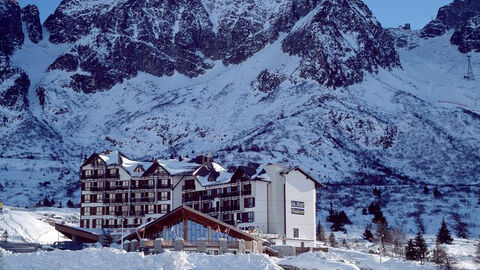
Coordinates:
398 241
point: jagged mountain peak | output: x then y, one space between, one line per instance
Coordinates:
115 40
461 16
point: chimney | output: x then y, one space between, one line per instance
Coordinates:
180 158
208 161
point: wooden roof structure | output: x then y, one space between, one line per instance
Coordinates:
77 234
183 214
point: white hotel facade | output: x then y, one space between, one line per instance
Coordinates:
275 202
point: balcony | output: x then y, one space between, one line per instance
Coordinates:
208 210
114 200
137 213
188 187
121 213
168 186
143 187
230 208
247 192
140 200
95 176
115 188
191 198
230 194
116 176
94 189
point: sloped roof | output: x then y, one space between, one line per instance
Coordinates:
307 175
184 212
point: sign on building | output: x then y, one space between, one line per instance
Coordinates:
298 207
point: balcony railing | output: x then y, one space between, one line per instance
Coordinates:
160 186
142 199
114 188
145 187
114 200
94 189
230 208
188 187
121 213
230 194
137 213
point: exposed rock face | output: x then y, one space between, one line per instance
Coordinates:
11 27
116 40
461 16
339 41
14 82
467 37
31 17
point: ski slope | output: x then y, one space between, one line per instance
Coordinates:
23 225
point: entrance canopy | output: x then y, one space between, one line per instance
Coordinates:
189 224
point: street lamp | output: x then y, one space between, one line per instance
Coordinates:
121 221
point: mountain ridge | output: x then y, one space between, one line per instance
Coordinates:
323 88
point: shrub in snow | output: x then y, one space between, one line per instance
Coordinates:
331 240
320 232
461 228
368 235
443 235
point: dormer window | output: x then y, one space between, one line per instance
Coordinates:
139 169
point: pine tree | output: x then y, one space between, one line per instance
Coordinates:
439 255
320 232
421 247
443 235
70 204
331 240
426 190
364 211
368 235
461 228
411 252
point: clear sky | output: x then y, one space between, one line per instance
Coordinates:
391 13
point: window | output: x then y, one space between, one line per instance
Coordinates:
250 217
99 210
99 222
249 202
87 198
163 196
295 233
151 209
86 211
164 208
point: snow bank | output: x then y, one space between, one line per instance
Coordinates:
118 260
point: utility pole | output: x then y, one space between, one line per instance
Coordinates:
469 75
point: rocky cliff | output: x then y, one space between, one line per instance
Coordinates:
461 16
115 40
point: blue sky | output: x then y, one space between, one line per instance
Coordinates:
390 13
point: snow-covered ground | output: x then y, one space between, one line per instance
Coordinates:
36 226
25 225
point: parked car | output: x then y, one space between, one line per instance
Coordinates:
64 245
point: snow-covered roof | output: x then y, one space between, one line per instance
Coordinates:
176 167
172 166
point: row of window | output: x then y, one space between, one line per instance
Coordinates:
123 197
111 223
123 210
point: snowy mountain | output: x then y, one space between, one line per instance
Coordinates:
317 84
